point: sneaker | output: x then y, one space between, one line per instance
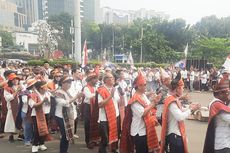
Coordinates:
42 147
76 136
34 149
20 137
27 144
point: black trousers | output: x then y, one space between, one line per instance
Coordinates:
140 143
174 144
38 140
104 133
87 122
64 143
225 150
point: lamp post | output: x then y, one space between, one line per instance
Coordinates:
141 58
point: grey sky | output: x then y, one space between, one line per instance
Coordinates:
190 10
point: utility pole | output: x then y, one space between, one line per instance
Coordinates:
113 45
77 29
141 58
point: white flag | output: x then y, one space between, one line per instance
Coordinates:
130 60
186 51
226 64
85 55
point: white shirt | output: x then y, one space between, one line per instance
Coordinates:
204 78
124 86
138 124
192 76
88 94
102 114
76 87
25 103
184 74
222 131
60 102
175 114
45 106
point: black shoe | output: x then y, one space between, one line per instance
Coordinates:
11 138
20 137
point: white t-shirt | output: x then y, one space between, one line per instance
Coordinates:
45 106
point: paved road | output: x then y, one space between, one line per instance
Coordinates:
195 131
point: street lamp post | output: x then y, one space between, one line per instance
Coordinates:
141 58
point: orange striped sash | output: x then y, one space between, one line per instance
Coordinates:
110 114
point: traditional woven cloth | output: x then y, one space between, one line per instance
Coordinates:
94 129
126 145
110 114
215 108
181 125
68 116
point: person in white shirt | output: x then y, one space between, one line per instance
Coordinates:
173 137
64 113
218 133
140 121
76 87
26 112
89 92
39 101
109 124
191 79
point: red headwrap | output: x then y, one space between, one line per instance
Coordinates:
140 79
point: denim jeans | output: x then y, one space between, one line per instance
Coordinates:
28 128
64 143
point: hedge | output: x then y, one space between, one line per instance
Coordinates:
65 61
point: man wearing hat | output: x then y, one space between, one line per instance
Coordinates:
218 132
90 117
139 123
173 137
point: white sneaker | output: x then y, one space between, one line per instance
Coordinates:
76 136
34 149
42 147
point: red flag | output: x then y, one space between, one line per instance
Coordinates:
85 54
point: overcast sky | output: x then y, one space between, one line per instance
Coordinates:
190 10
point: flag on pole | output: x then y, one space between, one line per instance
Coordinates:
85 55
186 51
181 64
226 64
130 60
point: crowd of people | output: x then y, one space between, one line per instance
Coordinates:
120 107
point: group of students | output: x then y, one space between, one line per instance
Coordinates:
110 121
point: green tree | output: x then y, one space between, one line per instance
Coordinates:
62 23
215 50
7 39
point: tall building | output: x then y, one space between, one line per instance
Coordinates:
10 18
116 16
27 7
91 11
